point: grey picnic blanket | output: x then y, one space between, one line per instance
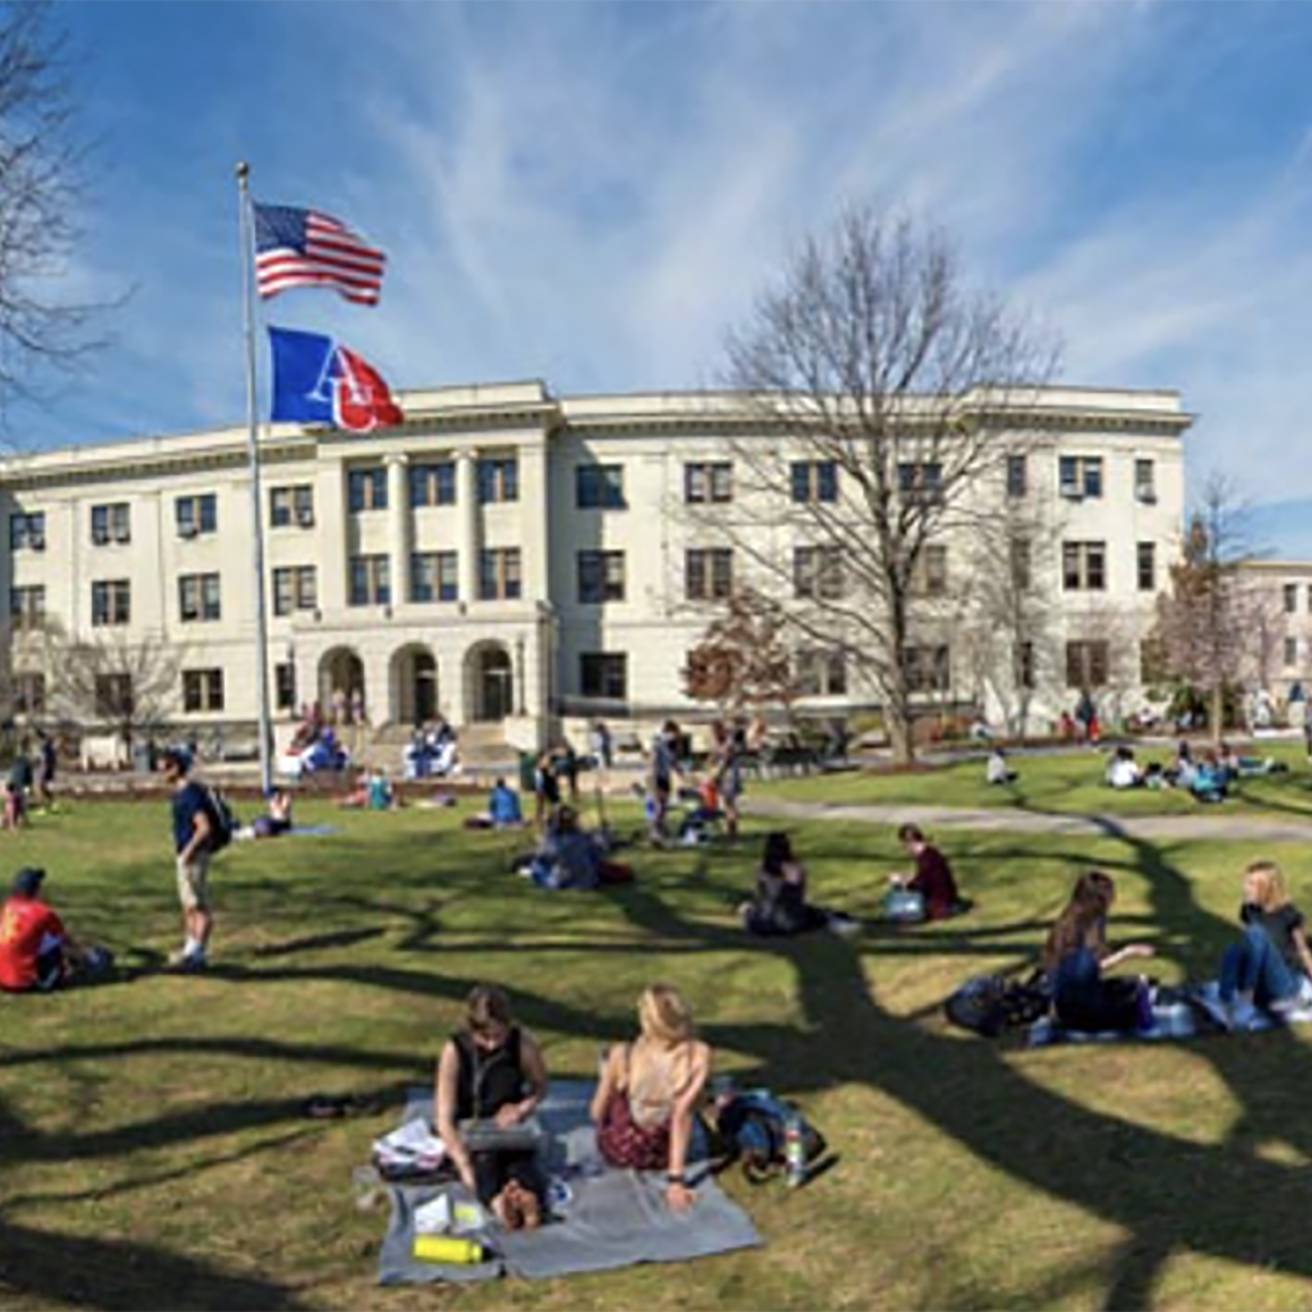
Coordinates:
602 1217
1183 1014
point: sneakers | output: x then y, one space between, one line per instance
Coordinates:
842 924
185 962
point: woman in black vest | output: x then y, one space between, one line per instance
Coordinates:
492 1071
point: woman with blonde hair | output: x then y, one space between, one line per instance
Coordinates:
648 1092
1271 965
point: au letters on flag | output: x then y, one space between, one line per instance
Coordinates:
318 381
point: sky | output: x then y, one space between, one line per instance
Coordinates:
592 193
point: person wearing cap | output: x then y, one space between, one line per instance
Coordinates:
191 840
35 951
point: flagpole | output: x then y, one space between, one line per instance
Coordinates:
257 519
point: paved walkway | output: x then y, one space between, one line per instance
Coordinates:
1152 828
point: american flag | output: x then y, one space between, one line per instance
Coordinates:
303 248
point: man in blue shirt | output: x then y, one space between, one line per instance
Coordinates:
191 841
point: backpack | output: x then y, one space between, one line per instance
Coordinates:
223 824
750 1125
989 1004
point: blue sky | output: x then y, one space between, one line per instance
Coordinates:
591 193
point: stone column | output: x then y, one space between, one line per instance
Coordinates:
398 527
467 526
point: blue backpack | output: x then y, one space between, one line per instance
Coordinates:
751 1125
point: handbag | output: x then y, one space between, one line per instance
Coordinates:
904 905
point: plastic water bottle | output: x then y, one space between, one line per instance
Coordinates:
794 1151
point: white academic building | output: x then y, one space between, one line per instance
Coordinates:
512 559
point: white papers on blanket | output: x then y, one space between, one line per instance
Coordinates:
446 1214
413 1145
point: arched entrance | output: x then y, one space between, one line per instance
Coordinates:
491 682
414 685
341 676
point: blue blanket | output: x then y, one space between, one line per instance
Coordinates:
602 1218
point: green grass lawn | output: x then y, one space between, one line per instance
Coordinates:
1052 783
155 1153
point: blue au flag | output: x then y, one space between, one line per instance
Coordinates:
318 381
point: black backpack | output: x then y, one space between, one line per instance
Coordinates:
223 824
990 1004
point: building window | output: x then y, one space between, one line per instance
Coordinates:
113 695
111 523
202 690
921 482
370 581
604 674
27 532
1291 651
818 572
1145 483
599 487
928 669
1018 476
366 489
198 597
295 587
284 686
814 480
1084 566
433 576
27 607
601 576
1086 664
1022 568
29 693
292 506
820 673
498 574
196 514
1291 598
498 479
1080 476
433 484
704 483
1027 665
1146 566
111 602
708 573
931 575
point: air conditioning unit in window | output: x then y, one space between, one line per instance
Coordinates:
38 542
1072 492
1146 495
187 530
305 518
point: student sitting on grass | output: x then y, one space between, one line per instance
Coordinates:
36 953
492 1071
278 819
779 906
645 1101
933 878
996 770
1271 965
1123 770
1076 962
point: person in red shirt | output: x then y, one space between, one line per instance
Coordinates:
933 878
35 951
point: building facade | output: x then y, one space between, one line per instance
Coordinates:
507 558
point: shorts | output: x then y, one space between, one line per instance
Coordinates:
194 882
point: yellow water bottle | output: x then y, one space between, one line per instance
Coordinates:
447 1250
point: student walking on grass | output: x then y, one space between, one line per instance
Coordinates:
192 842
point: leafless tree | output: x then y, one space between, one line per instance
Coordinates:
131 685
743 658
1206 624
885 393
1006 632
41 182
